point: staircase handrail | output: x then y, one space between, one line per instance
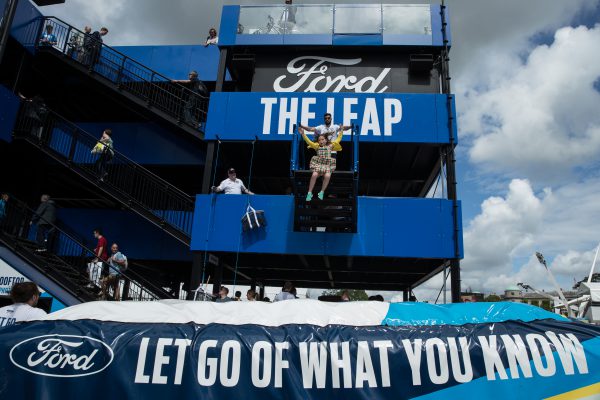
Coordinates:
123 157
123 58
142 282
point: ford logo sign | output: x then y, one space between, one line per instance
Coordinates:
62 356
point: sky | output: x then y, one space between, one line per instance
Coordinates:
526 75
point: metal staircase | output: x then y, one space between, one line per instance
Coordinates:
337 212
63 260
125 181
143 86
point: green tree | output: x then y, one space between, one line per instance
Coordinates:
492 298
355 295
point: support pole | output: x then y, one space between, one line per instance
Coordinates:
198 261
450 160
197 265
218 279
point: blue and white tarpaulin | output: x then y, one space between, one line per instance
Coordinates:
300 349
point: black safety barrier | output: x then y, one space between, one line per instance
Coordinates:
156 90
67 261
124 180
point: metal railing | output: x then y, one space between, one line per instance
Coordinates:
156 90
68 262
125 180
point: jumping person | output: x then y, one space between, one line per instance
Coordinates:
321 164
329 129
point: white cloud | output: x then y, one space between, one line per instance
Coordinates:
500 242
540 119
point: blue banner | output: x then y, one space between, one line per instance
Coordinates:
381 117
104 360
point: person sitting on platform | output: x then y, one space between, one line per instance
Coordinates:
328 128
231 185
322 164
286 292
223 298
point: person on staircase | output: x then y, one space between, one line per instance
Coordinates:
193 104
95 267
48 38
117 264
85 56
44 217
94 47
3 203
321 164
105 152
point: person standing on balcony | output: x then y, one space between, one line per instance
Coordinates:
44 217
25 296
103 148
193 98
321 164
48 38
212 37
231 185
117 264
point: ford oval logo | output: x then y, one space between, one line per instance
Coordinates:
62 356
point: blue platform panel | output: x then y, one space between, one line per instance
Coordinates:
387 227
382 117
176 62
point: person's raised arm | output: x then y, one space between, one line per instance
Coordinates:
339 137
309 142
307 128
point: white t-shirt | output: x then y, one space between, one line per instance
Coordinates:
19 312
331 131
284 296
232 187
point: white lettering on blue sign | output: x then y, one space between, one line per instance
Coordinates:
333 363
288 110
